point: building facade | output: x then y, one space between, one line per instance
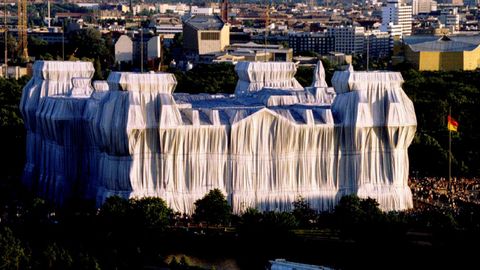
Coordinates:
318 42
124 49
348 39
251 51
205 35
270 142
397 13
450 18
148 45
377 44
444 54
423 6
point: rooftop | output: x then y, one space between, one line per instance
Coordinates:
202 22
447 44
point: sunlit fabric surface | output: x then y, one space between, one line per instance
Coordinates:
263 147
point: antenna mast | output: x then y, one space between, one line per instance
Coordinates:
5 29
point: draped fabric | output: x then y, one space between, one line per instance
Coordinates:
53 123
255 76
319 76
132 136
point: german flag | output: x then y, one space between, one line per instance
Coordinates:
452 124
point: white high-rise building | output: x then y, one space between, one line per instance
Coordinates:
398 13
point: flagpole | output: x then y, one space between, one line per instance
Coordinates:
449 154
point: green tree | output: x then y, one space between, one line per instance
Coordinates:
211 78
359 218
250 223
12 131
86 262
115 208
87 42
57 257
12 253
304 75
213 208
11 46
98 75
278 223
303 213
37 211
268 226
433 93
151 212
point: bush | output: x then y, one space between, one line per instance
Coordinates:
250 222
213 208
279 222
151 211
303 213
268 224
359 218
115 208
12 253
57 257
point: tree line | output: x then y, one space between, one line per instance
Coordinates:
136 233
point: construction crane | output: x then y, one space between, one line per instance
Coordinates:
22 49
267 22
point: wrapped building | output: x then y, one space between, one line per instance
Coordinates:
270 142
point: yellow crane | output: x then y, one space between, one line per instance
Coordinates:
22 49
5 38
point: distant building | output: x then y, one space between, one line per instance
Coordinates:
377 43
395 32
128 50
259 52
228 58
178 8
55 36
319 42
124 49
149 46
162 29
15 72
70 15
397 13
112 14
348 39
451 2
205 35
154 48
343 39
123 8
423 6
337 58
455 53
205 11
471 3
450 19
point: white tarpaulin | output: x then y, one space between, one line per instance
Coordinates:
263 147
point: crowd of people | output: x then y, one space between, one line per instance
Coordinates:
439 191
